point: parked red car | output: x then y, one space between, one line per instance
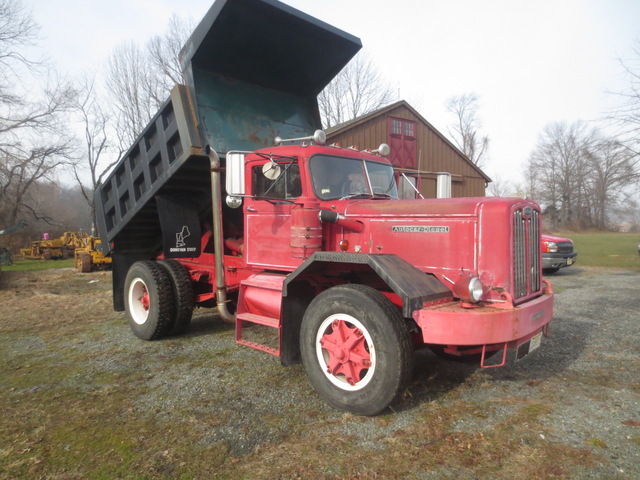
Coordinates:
557 253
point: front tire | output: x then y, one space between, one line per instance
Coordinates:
148 300
83 262
356 349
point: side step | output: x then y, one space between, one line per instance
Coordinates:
242 318
262 294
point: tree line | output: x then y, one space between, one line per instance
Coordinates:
53 127
581 176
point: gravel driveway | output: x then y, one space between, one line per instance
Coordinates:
84 398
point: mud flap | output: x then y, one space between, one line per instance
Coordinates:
180 227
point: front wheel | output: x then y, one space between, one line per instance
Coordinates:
83 262
356 349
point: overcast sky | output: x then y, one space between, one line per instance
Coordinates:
530 62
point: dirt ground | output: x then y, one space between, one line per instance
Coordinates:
82 398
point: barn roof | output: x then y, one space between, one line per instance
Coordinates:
345 126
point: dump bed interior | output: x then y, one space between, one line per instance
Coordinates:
252 71
255 68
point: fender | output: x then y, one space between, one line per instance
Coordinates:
413 286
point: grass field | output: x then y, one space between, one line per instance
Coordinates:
34 265
612 250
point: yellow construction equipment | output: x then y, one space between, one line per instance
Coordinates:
88 258
44 249
62 247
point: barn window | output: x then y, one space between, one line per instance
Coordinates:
396 127
409 129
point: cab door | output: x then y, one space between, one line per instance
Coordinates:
268 216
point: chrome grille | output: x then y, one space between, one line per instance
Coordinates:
526 252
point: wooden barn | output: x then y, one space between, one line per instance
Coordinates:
418 151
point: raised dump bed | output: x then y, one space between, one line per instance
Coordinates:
253 70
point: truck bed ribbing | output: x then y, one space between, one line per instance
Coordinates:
165 159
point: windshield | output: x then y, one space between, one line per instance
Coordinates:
339 177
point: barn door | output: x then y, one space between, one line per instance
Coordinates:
402 140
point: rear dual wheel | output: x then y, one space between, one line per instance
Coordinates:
356 349
183 295
159 298
149 300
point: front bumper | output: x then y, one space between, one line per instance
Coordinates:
451 324
558 260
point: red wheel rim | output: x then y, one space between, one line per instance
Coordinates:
345 352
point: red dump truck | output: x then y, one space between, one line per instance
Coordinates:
230 199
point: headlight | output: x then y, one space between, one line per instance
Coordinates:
468 289
550 247
475 290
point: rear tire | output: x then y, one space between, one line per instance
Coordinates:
356 349
183 296
148 298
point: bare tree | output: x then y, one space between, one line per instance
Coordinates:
357 90
33 146
464 131
501 187
164 50
34 141
613 169
94 122
627 113
560 164
133 91
17 31
579 176
139 79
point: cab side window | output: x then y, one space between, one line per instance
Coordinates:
287 186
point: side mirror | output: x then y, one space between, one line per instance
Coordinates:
271 170
235 174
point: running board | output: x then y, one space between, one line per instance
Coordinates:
243 318
261 293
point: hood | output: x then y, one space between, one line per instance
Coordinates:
438 207
554 238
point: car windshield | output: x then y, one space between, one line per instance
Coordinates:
339 177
